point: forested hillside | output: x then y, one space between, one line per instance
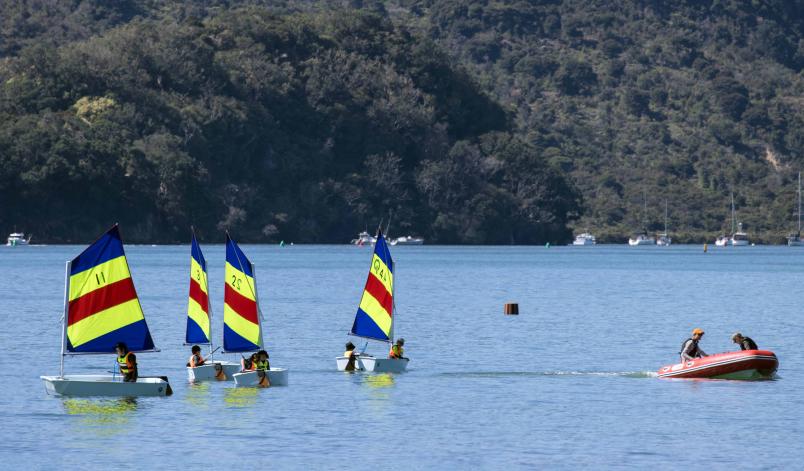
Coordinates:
463 121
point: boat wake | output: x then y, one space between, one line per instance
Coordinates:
496 374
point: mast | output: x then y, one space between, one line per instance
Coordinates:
257 300
799 203
665 216
732 214
67 269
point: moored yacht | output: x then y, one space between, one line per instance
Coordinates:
407 240
739 238
17 238
662 238
641 238
364 238
584 239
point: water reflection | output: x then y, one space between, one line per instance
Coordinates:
198 395
101 411
240 397
379 381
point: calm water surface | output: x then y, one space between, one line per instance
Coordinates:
567 384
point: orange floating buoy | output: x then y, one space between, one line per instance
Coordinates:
511 309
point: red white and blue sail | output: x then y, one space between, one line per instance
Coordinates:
242 331
103 308
198 312
374 318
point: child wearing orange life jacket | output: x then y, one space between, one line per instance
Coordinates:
196 359
397 351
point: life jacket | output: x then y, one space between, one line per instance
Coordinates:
748 344
195 360
348 353
126 367
261 365
396 352
247 364
694 352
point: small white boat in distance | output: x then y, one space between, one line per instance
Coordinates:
662 239
409 240
364 238
738 237
584 239
17 238
101 308
276 377
641 238
104 385
374 319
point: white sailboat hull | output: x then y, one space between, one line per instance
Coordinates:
373 364
641 241
104 385
794 242
209 371
276 376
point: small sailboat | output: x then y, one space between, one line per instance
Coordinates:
738 236
374 319
101 308
408 240
242 317
794 240
642 238
199 320
662 238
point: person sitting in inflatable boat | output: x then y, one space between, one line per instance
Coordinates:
690 348
745 343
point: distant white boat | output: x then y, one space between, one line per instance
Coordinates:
364 238
17 238
641 239
739 238
409 240
584 239
794 240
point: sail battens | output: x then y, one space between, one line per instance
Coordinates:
98 276
103 308
374 317
198 322
242 331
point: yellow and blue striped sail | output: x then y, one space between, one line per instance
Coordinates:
241 315
103 307
374 317
198 303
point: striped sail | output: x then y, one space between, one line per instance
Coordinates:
103 307
198 304
374 317
241 315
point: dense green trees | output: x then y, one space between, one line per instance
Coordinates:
468 121
273 122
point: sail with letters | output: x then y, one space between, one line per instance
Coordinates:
102 304
242 329
374 318
198 312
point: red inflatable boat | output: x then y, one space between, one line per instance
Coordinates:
746 364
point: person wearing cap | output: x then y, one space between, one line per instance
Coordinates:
397 351
690 348
351 355
745 343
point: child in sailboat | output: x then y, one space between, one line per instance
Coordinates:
126 362
397 351
351 355
247 364
262 361
196 359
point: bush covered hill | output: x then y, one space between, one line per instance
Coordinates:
464 121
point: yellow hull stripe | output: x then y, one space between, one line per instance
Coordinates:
98 276
104 322
378 314
241 326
